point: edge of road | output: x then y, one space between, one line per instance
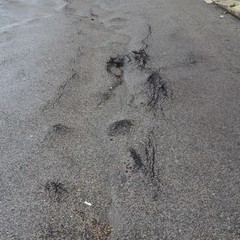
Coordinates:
231 6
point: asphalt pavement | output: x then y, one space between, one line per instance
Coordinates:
119 120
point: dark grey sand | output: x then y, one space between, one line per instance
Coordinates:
119 119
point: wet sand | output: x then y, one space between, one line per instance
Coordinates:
119 120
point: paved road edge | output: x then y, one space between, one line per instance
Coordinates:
232 7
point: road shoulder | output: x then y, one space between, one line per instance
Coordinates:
232 6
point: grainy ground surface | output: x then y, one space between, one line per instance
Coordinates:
231 6
131 106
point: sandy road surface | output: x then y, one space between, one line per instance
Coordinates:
119 120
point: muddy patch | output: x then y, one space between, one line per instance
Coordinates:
56 190
121 127
144 159
137 160
156 89
141 58
143 163
59 129
115 66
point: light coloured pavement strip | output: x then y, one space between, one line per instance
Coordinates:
230 5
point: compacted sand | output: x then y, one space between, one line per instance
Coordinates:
119 119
